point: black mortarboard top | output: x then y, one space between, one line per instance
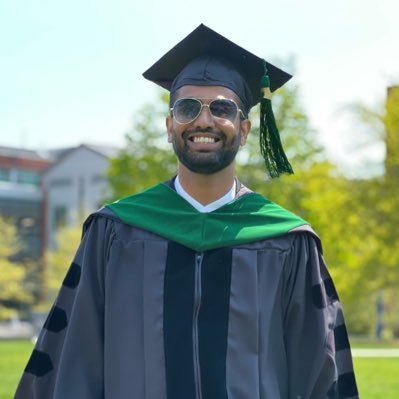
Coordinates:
259 76
205 41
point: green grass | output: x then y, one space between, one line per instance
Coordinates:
13 358
377 377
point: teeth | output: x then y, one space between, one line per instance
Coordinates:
204 140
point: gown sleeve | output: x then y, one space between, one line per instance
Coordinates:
67 361
318 350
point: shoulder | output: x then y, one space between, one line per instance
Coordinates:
259 200
103 218
107 221
302 237
302 233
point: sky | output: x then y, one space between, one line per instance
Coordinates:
71 71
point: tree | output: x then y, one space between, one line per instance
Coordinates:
13 293
298 137
147 158
371 226
59 259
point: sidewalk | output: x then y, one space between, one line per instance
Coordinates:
375 352
16 329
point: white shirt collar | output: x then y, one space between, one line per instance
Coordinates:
228 197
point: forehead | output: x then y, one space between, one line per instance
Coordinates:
206 92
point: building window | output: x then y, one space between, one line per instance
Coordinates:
4 174
61 182
28 177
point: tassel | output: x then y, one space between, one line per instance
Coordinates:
270 143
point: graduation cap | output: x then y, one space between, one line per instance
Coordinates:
205 57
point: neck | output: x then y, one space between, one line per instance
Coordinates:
206 188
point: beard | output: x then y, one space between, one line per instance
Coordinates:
206 162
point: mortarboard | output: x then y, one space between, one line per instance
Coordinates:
202 53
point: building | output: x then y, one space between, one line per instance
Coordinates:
74 186
42 191
21 195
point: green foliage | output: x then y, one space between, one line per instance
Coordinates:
375 256
59 259
147 158
13 294
375 204
299 141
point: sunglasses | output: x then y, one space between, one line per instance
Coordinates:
186 110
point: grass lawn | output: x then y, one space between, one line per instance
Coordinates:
13 358
378 378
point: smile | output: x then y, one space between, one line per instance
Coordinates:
204 140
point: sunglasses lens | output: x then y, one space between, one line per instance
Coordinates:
225 109
186 109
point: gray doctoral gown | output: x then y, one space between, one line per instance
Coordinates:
142 317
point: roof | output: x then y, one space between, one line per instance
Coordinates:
55 154
107 151
24 153
62 153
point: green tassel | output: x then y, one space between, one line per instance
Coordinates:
270 143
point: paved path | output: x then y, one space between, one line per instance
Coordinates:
15 329
375 352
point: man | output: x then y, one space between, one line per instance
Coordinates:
198 288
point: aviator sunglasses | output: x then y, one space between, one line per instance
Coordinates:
186 110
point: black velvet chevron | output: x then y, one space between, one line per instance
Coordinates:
72 278
56 320
341 338
324 293
39 364
347 386
318 297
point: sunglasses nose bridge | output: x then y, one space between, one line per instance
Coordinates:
207 115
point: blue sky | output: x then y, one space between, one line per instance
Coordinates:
71 70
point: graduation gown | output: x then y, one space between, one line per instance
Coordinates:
162 302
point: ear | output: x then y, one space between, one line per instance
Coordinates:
245 127
169 127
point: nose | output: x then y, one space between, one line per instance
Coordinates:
205 118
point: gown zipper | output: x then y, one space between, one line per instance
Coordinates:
197 304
